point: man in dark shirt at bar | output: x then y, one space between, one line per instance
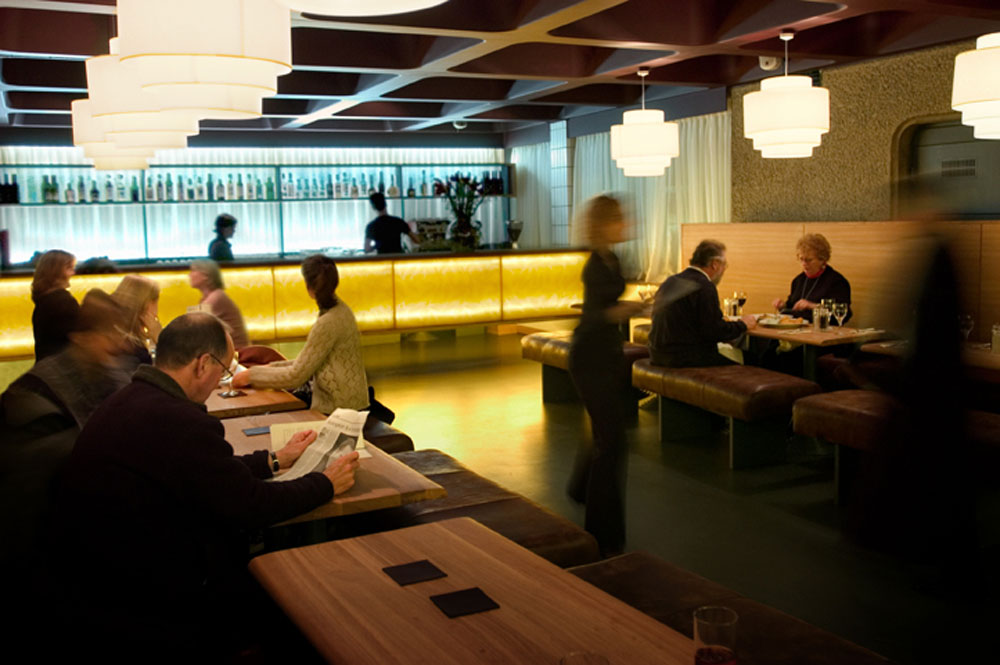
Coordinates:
687 321
153 502
383 234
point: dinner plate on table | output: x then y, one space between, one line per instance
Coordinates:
782 323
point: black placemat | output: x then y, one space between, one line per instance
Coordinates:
466 601
416 571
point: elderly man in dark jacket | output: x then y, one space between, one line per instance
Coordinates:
153 497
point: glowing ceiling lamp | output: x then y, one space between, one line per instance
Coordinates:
131 114
644 145
975 90
216 59
90 133
359 8
788 116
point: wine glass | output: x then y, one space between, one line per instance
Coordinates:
227 379
741 298
840 312
965 324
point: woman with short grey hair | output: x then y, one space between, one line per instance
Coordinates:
207 278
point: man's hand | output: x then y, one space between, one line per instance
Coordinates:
341 472
750 320
778 303
804 304
241 379
299 442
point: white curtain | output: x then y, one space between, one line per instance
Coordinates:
695 189
533 194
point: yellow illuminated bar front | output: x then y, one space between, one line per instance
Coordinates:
447 291
541 285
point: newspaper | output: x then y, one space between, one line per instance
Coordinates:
339 435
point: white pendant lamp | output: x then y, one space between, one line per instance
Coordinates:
216 59
644 145
788 116
359 7
130 113
90 133
975 90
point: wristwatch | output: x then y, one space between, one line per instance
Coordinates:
274 462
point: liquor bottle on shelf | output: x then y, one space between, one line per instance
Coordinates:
81 190
393 190
191 192
121 194
240 191
181 190
270 188
70 194
95 194
230 189
53 189
209 189
12 193
355 191
258 190
135 189
220 190
372 186
150 187
338 187
314 191
46 197
410 191
364 184
381 183
109 189
330 188
168 189
423 184
160 190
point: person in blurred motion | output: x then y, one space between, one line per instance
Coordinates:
225 228
687 320
55 309
597 367
331 358
156 506
207 278
818 280
140 297
384 234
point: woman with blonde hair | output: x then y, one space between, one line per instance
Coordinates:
596 364
140 298
207 278
817 281
331 359
55 309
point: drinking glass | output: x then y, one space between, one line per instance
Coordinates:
715 636
227 383
965 324
840 312
741 297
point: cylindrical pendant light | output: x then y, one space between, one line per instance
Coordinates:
787 117
975 90
359 8
217 59
90 133
644 145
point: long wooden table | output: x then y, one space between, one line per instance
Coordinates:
253 402
380 482
812 341
353 613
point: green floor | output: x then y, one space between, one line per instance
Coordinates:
772 534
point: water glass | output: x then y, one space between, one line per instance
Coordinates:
840 312
715 636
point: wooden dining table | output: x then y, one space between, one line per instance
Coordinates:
380 482
253 401
812 341
354 613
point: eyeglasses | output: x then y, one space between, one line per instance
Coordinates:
226 374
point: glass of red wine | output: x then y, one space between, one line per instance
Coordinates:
741 297
715 636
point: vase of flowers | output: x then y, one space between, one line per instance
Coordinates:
465 195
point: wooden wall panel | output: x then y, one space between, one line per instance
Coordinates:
761 258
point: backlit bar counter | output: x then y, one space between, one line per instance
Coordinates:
388 294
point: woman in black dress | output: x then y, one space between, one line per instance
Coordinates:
817 281
55 309
597 365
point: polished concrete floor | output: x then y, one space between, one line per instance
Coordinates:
772 534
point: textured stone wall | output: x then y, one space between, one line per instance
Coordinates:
848 177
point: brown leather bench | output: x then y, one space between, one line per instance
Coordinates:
470 495
756 401
385 436
552 350
854 420
766 636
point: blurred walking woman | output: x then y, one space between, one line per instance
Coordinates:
596 363
140 298
331 358
55 309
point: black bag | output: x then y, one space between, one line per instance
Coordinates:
379 410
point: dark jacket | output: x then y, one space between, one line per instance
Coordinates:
688 323
220 249
152 498
830 284
54 316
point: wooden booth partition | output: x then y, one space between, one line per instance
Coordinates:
882 260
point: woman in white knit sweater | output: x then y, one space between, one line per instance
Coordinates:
331 358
